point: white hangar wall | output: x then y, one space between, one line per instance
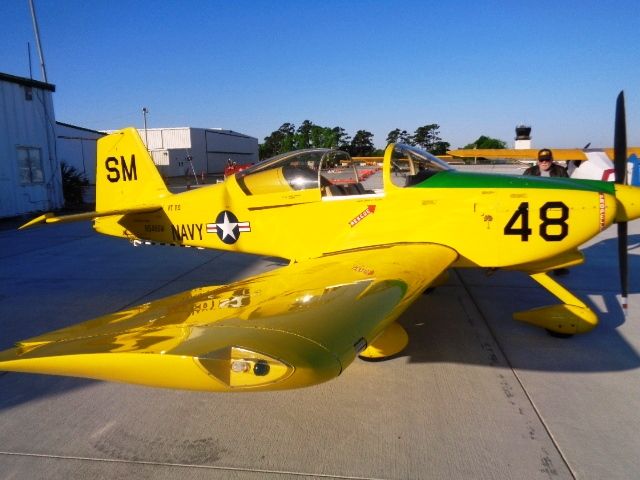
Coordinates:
30 177
209 149
224 145
78 147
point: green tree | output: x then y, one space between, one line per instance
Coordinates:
307 135
317 137
289 143
279 141
440 148
362 144
427 136
393 135
406 137
400 136
487 142
303 135
342 138
72 183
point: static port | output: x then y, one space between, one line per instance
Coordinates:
261 368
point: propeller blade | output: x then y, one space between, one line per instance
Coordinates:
622 261
620 166
620 141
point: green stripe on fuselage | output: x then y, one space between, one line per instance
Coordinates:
455 179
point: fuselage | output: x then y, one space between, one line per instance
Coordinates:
490 220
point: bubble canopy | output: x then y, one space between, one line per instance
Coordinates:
297 170
335 173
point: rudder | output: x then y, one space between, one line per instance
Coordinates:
125 173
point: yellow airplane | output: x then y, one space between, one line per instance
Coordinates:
359 253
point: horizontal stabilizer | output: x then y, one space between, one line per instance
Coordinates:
77 217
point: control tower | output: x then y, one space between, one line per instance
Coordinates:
523 137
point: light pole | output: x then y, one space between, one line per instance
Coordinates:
145 110
36 30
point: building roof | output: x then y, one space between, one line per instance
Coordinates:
221 131
27 82
79 128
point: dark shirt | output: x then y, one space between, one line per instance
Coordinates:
554 171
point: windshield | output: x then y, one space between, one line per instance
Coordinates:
411 166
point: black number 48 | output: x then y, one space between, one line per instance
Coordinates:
518 224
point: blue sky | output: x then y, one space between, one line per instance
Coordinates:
475 68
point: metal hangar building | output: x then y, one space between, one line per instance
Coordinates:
187 150
78 147
33 145
30 178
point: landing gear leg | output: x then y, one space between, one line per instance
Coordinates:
390 342
571 317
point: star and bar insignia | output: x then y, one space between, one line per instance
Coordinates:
228 227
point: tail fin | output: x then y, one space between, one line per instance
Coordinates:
126 176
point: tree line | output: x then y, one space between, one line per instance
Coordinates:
309 135
486 142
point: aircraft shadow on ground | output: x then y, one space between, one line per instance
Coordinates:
23 388
18 388
493 336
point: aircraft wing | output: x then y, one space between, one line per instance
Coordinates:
560 154
518 154
295 326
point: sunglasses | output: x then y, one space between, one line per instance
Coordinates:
544 160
